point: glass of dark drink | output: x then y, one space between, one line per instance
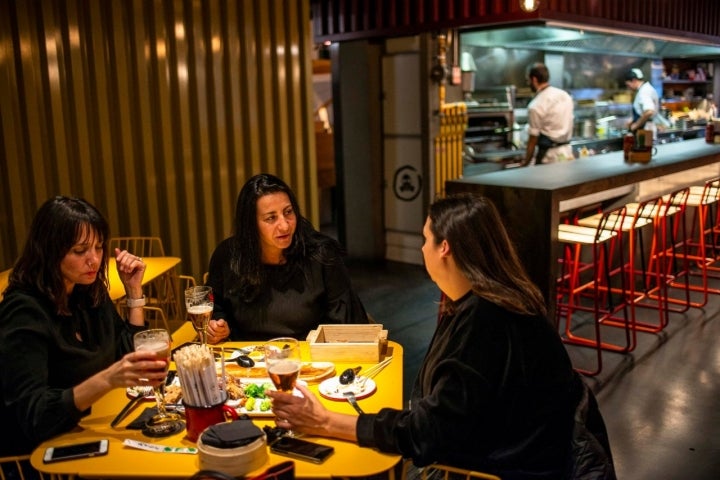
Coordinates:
199 305
282 360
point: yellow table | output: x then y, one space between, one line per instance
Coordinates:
154 268
4 278
123 462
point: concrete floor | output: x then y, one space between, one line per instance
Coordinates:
661 403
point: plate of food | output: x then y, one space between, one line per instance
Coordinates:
256 352
173 385
332 389
310 372
245 396
250 398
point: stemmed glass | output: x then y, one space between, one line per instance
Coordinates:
282 360
162 423
199 305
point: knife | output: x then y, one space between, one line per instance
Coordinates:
127 408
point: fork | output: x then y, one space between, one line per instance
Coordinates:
353 401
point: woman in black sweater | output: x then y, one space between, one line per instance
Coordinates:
62 343
496 391
277 276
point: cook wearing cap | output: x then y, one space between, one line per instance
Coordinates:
646 104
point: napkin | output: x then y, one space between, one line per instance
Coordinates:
141 420
231 434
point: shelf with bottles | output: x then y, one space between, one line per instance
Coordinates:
669 81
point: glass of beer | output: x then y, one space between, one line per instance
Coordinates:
282 360
163 423
199 306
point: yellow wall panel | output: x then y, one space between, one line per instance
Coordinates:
155 111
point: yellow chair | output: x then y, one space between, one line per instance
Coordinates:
20 465
155 316
140 246
446 471
161 292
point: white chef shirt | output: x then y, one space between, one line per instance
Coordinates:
550 112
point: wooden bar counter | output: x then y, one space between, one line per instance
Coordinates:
531 199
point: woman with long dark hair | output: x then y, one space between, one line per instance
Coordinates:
496 392
62 343
277 276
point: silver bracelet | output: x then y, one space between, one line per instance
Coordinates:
136 302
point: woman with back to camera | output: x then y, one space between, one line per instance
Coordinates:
496 392
62 343
277 276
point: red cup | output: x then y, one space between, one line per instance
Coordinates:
198 419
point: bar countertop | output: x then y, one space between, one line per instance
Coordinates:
598 172
530 199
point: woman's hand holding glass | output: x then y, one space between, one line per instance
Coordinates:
199 304
217 330
158 341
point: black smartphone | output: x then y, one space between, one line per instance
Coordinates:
78 450
301 449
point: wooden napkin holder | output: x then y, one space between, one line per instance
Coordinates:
643 155
344 343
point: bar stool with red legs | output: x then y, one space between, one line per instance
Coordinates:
696 246
640 218
587 286
668 256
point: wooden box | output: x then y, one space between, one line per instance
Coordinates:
347 343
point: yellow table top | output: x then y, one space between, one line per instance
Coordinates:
155 266
4 278
123 462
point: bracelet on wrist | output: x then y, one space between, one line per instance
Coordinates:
136 302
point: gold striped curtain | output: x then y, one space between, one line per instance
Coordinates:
156 111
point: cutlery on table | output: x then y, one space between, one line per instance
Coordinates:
142 392
371 373
348 375
353 401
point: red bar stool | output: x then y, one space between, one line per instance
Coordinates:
640 218
669 250
694 246
586 286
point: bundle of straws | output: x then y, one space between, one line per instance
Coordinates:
198 376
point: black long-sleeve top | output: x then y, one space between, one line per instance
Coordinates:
42 358
496 393
294 298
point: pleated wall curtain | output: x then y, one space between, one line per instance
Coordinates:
156 111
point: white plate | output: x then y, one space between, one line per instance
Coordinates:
332 389
255 412
255 352
133 392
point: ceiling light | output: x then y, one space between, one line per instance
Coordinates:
529 5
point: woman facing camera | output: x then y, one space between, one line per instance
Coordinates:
496 392
62 343
277 276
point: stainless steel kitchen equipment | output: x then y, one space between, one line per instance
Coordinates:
489 134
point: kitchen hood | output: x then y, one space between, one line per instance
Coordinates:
579 39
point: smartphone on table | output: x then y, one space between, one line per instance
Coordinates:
77 450
301 449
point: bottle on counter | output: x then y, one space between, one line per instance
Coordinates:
710 132
628 144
